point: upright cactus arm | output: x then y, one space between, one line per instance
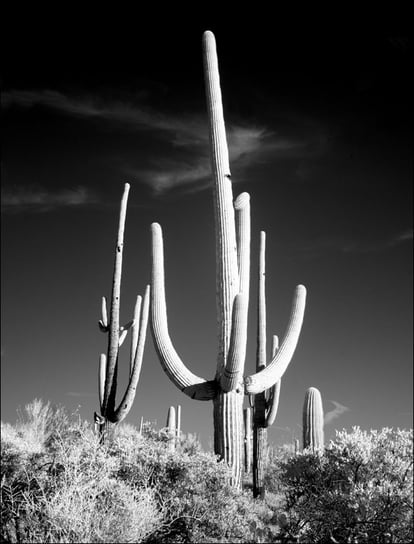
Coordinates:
233 372
184 379
234 366
272 403
113 344
101 384
103 323
135 334
258 382
242 208
261 307
129 396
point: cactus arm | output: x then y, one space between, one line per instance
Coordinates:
184 379
102 372
129 396
135 334
273 401
123 331
258 382
103 323
233 372
261 308
242 208
113 344
227 280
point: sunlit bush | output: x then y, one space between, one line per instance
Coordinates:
359 490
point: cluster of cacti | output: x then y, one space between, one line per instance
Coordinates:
173 426
108 363
232 220
312 427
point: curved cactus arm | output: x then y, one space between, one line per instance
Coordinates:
227 280
102 372
113 344
274 392
184 379
135 334
233 371
258 382
128 399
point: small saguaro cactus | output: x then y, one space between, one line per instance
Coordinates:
171 428
247 412
313 420
108 364
232 218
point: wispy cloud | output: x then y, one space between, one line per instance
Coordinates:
249 143
335 413
41 200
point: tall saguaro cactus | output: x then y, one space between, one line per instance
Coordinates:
232 221
108 364
313 420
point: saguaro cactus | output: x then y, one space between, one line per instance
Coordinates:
313 420
247 412
232 220
171 428
267 402
108 364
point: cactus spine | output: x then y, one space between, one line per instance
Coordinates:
108 364
232 227
313 420
267 402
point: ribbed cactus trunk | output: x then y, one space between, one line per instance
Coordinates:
313 436
228 405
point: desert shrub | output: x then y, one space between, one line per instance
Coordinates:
70 493
358 490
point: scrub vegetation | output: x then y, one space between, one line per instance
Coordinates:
61 484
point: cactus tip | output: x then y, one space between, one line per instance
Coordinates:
241 201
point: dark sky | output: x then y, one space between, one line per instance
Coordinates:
320 134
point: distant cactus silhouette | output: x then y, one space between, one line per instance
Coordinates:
108 364
229 386
313 420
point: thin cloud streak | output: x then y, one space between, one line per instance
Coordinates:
335 413
42 200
